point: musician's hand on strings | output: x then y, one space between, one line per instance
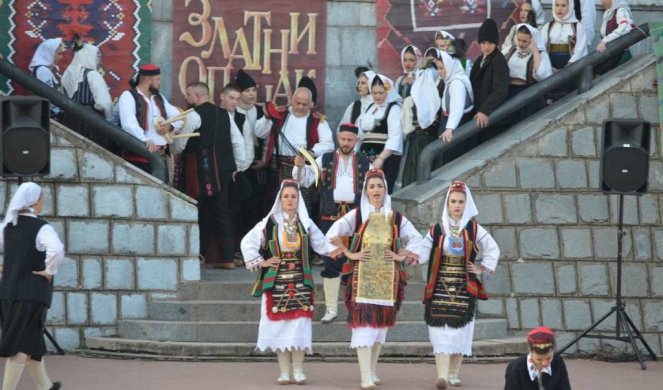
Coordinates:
151 147
271 262
475 269
44 274
391 256
358 256
300 161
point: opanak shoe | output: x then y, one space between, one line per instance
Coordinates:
367 385
376 379
283 379
299 377
441 383
454 381
330 316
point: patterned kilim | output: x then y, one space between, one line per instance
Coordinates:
414 22
121 29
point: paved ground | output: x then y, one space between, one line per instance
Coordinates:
80 373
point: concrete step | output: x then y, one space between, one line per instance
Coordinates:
109 346
248 310
247 331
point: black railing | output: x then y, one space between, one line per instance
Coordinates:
582 68
123 139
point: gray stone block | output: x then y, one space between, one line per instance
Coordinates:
571 174
593 208
500 282
658 243
68 338
67 275
112 201
583 143
491 307
103 308
623 105
501 175
539 243
126 174
536 173
649 108
653 317
157 274
58 225
554 143
532 278
512 316
605 243
171 240
91 269
342 13
190 269
655 176
56 313
73 201
358 46
642 244
656 281
563 338
593 279
151 203
133 306
576 243
598 109
576 117
551 313
63 164
529 313
333 45
649 210
194 241
630 209
162 11
3 195
566 279
95 167
506 240
555 209
182 210
518 209
48 208
87 237
576 314
491 208
593 174
644 81
635 280
367 14
133 238
119 274
76 308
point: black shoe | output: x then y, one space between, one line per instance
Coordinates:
56 386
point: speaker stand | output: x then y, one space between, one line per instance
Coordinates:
624 323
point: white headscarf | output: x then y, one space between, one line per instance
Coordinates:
365 204
390 88
616 4
535 36
570 16
367 99
417 55
85 58
444 34
277 209
455 72
25 196
426 96
45 53
470 212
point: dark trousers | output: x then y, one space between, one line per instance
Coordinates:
391 167
332 266
215 223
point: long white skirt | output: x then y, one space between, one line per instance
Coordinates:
284 335
452 340
367 336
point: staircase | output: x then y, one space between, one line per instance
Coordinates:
216 318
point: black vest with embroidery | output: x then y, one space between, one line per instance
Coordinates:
361 165
373 148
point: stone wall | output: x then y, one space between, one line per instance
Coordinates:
128 238
536 187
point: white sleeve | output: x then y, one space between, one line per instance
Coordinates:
457 95
411 238
543 36
347 115
489 252
191 124
366 121
127 107
47 240
171 111
325 142
588 14
45 75
580 48
99 89
425 248
538 12
237 142
624 22
249 152
308 176
407 116
545 67
468 66
251 244
343 227
509 41
395 139
263 127
318 241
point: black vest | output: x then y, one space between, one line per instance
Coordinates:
327 204
21 258
239 121
214 131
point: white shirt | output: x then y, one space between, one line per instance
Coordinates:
367 121
99 89
247 136
47 240
127 109
560 36
344 191
533 373
588 15
624 22
294 131
347 115
457 100
46 76
251 118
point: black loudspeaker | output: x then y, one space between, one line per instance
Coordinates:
624 165
25 142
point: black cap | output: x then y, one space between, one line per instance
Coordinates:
307 82
244 81
488 32
349 127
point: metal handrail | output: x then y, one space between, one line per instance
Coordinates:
582 67
123 139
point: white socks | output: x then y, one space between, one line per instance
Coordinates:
365 361
298 367
375 355
331 287
442 363
284 365
13 372
38 372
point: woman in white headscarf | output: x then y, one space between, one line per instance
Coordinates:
373 225
410 61
44 66
359 106
457 98
564 37
32 254
526 14
277 247
380 129
443 41
617 21
459 253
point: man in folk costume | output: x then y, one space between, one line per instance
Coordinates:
32 255
374 275
453 249
343 172
140 109
210 164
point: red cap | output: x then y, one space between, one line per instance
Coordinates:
149 70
